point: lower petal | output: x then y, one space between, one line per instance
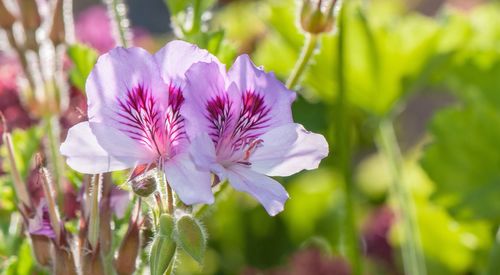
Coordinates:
288 149
84 154
266 190
191 184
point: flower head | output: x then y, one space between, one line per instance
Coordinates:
242 129
134 101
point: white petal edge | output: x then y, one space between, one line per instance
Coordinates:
270 193
84 154
288 149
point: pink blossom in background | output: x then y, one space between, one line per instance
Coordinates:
93 27
134 101
242 129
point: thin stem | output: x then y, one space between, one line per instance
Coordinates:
307 51
93 235
494 261
413 261
21 191
350 239
118 13
51 204
170 200
53 136
197 13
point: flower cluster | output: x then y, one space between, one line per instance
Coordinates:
181 111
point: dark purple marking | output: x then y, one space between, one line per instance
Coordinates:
252 120
219 114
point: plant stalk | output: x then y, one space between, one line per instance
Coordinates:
306 54
413 260
350 238
53 136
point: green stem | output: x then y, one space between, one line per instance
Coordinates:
413 260
53 136
307 51
197 13
118 14
494 261
350 239
93 234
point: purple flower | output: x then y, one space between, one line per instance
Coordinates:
40 223
134 101
242 129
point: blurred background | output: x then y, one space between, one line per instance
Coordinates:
430 68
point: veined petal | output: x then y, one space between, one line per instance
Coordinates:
265 101
84 154
208 107
288 149
266 190
202 151
191 184
177 56
126 92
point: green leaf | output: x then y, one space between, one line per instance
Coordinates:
83 58
191 237
464 161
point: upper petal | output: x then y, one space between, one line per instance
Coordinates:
267 191
84 154
287 150
191 184
126 92
266 102
208 107
177 56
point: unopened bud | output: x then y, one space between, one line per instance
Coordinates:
57 31
31 19
163 247
41 247
191 237
130 247
6 18
92 264
64 262
316 16
143 187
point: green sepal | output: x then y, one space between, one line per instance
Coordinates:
191 236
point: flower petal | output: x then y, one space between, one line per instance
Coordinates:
126 92
266 190
268 99
287 150
191 184
85 155
178 56
208 107
202 151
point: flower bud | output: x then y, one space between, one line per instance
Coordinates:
6 18
143 187
163 247
316 16
31 19
129 249
41 246
57 31
64 262
191 237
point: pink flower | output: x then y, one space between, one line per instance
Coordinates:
242 129
134 101
39 224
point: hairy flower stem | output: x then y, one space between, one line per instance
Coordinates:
307 51
197 13
170 200
494 261
117 11
349 232
53 138
413 260
21 191
93 235
51 203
